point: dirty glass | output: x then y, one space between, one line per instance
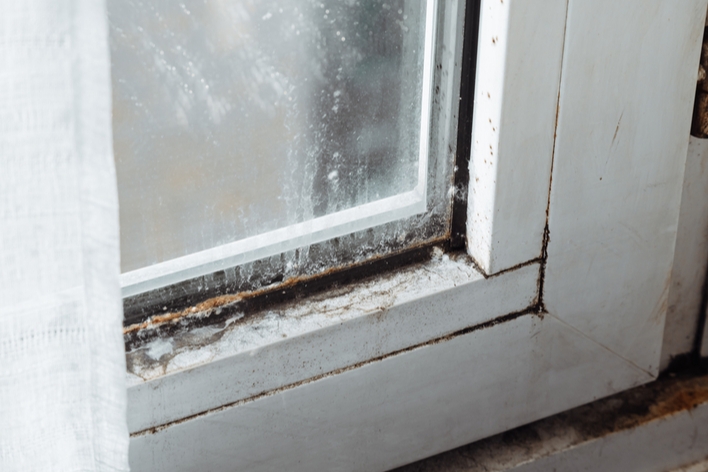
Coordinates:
234 118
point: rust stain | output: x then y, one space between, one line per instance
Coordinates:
665 398
686 399
219 302
207 305
205 308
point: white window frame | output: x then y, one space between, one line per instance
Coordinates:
596 94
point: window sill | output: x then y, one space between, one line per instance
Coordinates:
659 426
195 371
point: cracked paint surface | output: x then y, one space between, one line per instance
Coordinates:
237 334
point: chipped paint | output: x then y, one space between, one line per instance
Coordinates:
193 346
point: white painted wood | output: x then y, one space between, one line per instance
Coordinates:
690 257
406 407
628 82
311 338
518 75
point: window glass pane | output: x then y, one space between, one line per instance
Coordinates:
235 118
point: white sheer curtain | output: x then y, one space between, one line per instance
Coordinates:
62 373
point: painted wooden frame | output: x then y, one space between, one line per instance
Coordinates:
439 355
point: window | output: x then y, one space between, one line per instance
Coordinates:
575 182
267 141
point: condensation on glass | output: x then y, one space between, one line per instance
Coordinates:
245 128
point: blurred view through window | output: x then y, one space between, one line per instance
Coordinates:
235 118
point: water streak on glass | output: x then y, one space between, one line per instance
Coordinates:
232 118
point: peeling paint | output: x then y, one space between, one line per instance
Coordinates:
192 346
158 348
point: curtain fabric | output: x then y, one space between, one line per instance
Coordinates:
62 364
